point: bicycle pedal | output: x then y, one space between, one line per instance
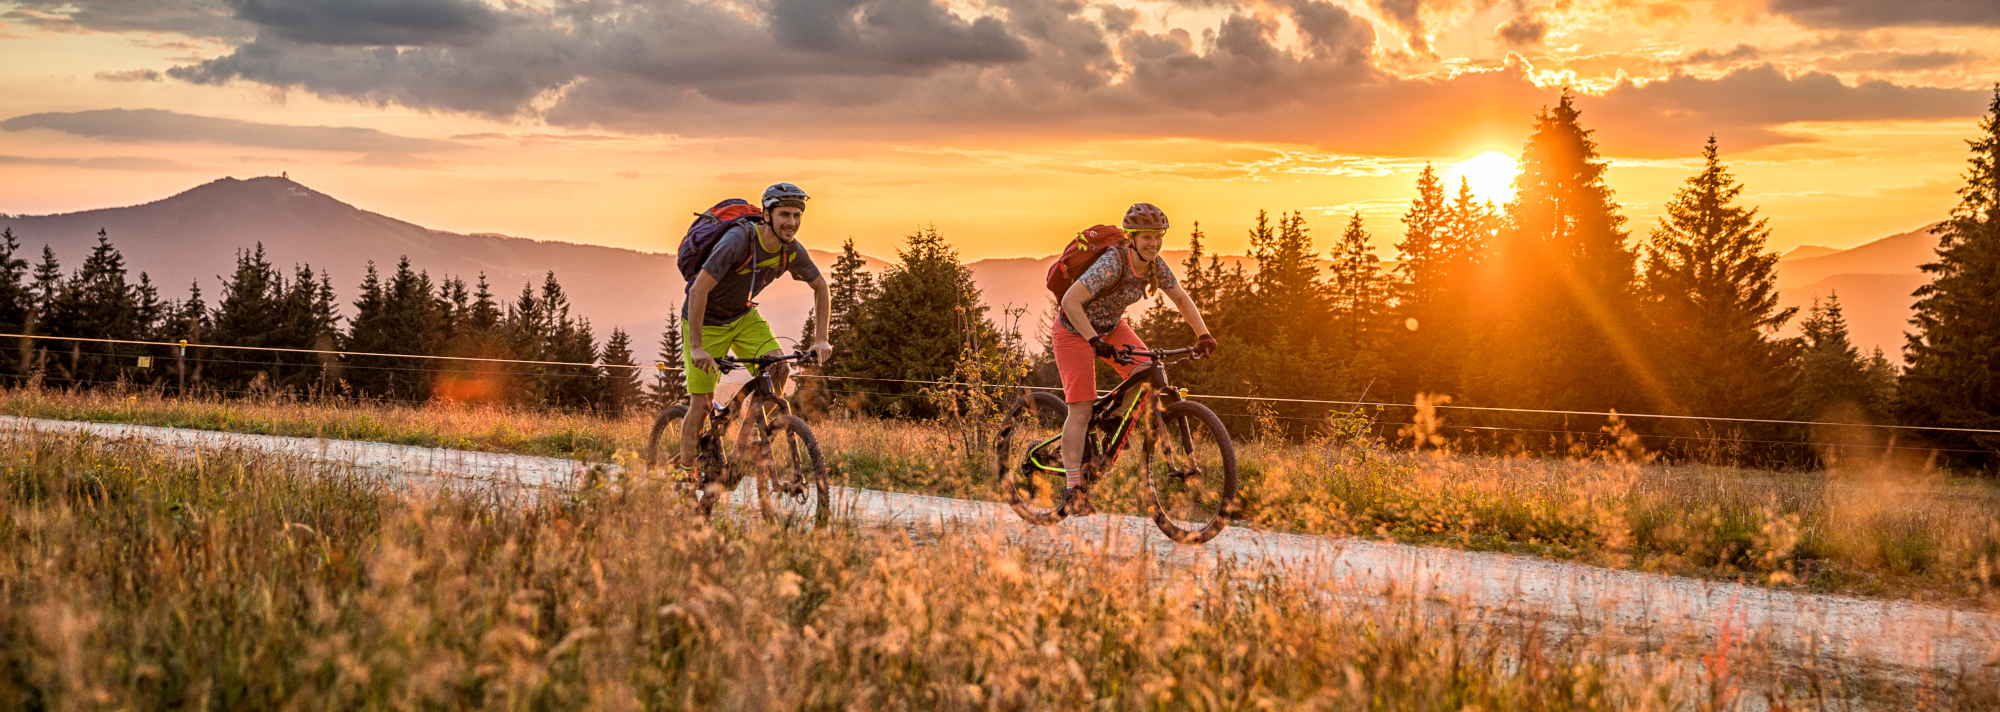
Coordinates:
1076 503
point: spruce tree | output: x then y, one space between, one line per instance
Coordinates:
48 281
569 340
1711 297
476 332
1360 311
244 313
17 305
1418 255
17 299
97 302
1358 288
1422 351
1834 382
914 325
850 287
189 320
622 393
1291 294
1560 332
396 317
412 324
669 386
1292 304
528 333
1953 374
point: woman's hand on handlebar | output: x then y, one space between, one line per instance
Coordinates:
1204 347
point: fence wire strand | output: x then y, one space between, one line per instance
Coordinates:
662 367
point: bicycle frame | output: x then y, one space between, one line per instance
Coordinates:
1108 420
757 390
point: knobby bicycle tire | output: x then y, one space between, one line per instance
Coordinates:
1037 497
1188 502
708 463
790 466
671 416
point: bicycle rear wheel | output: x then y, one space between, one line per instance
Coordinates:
1030 457
793 478
1191 474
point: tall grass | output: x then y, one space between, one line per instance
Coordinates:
136 578
1880 528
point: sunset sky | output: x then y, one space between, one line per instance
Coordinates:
1006 123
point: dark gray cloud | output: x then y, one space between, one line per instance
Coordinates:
1522 30
918 70
194 18
159 125
1739 53
1405 15
1864 14
1244 70
917 34
372 22
1894 61
108 163
131 75
811 51
1746 106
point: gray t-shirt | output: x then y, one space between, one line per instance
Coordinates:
737 283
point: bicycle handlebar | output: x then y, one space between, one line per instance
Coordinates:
726 364
1125 354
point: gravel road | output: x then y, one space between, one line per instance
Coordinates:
1897 639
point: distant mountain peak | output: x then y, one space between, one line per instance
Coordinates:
1808 251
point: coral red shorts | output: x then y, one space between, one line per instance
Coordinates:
1073 357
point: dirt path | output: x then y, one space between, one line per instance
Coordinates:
1903 640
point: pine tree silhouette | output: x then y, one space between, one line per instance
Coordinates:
1711 297
1953 378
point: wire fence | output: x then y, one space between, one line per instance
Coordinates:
330 360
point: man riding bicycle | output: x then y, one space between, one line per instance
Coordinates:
744 261
1092 324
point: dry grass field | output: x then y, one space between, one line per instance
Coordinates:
138 577
1866 527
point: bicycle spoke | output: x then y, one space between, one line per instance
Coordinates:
1030 457
1191 473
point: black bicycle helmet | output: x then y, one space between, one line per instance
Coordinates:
781 192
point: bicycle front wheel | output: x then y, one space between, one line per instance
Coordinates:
1030 457
666 437
1190 473
793 480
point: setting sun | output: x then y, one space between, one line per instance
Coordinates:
1490 174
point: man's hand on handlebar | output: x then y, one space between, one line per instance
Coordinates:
702 360
823 350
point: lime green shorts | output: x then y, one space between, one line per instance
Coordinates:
746 337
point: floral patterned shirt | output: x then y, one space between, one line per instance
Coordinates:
1108 303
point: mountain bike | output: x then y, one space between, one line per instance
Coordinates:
771 441
1188 459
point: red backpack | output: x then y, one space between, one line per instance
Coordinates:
1080 254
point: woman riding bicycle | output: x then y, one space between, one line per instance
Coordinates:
1092 324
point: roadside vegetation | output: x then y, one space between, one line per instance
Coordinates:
136 577
1872 527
